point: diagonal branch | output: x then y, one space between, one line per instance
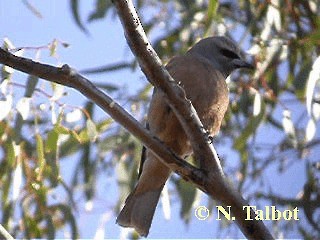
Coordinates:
4 233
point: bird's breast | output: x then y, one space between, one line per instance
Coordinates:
205 86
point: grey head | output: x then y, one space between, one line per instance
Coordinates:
222 52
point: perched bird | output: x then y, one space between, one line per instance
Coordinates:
201 72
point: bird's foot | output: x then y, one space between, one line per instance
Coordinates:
208 136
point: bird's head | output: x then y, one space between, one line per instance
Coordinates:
222 52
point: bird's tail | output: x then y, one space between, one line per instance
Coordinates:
142 202
139 210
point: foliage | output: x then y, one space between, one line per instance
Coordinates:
271 124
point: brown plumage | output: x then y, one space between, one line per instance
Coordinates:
201 72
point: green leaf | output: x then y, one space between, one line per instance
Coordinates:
2 129
50 227
187 194
76 16
11 155
102 7
41 190
81 138
314 37
252 124
7 213
69 147
124 180
107 69
65 210
92 130
30 224
40 155
145 92
300 79
52 141
31 85
23 107
89 171
104 125
53 47
212 9
83 135
51 148
6 107
58 91
61 129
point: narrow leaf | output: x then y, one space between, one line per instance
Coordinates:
257 104
81 138
104 125
4 86
5 107
102 7
252 125
92 130
288 127
75 13
11 154
313 79
23 107
61 129
165 200
310 130
40 155
53 47
17 178
52 141
187 194
31 85
212 9
58 91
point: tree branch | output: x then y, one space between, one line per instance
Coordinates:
4 233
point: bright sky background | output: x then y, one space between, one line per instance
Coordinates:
106 44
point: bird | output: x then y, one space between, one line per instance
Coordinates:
202 73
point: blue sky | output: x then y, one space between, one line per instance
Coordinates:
106 44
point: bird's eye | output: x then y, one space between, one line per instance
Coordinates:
229 54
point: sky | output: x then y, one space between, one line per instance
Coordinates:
105 44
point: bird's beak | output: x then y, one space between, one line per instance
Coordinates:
241 63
